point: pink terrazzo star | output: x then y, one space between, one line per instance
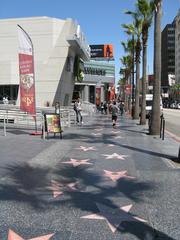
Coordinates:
76 162
96 134
85 149
110 145
14 236
114 217
118 137
115 132
114 176
98 129
57 187
115 156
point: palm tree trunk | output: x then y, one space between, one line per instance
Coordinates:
155 126
143 104
136 113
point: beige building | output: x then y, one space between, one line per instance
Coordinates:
57 43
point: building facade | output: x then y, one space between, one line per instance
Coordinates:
57 45
177 48
99 76
167 57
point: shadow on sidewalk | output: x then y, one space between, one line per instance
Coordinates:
27 184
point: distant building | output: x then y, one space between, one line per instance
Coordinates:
167 56
58 47
177 47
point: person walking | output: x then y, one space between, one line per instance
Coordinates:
78 110
114 111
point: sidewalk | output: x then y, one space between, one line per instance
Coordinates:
97 183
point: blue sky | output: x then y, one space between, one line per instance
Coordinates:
100 20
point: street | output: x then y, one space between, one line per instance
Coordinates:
172 118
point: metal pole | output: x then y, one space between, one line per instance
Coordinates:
163 128
4 125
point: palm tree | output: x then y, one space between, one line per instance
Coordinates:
155 118
126 71
136 29
145 10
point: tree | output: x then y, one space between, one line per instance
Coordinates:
145 10
126 72
155 117
136 29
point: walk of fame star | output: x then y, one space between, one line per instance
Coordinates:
114 176
114 217
14 236
76 162
111 145
118 137
85 149
96 134
57 187
98 129
115 132
115 155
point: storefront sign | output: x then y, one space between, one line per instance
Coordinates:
94 71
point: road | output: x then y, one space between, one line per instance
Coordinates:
172 117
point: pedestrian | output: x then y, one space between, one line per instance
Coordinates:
102 107
105 107
121 107
78 111
114 111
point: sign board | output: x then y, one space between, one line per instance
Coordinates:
128 89
52 123
102 51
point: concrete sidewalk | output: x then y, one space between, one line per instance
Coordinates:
97 183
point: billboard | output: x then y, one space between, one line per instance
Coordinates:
102 51
26 72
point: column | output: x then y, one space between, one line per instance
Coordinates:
86 93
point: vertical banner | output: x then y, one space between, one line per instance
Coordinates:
111 90
26 72
98 96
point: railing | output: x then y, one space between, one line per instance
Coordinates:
16 119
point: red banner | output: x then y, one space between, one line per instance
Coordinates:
26 72
128 89
111 91
98 96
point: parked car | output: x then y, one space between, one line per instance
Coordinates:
173 105
178 106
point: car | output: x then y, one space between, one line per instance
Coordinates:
178 105
173 105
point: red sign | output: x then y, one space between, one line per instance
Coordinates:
98 96
26 72
111 91
128 89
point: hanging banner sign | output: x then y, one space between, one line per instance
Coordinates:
98 96
26 72
128 89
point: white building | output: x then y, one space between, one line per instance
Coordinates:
57 43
